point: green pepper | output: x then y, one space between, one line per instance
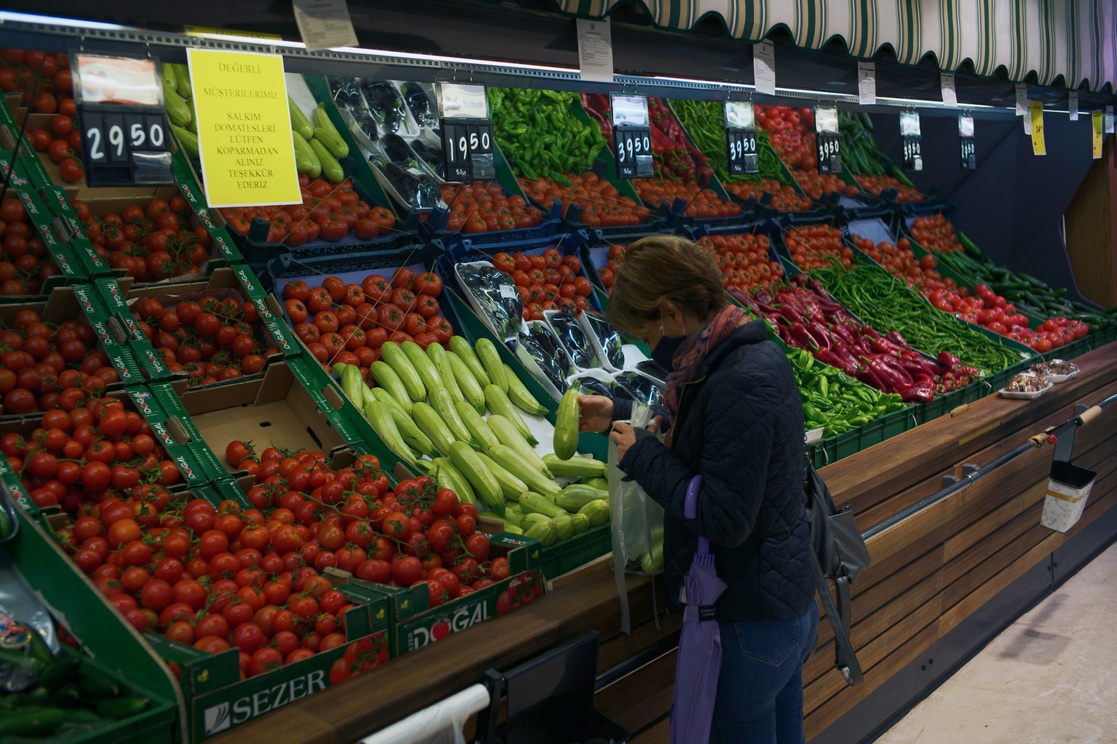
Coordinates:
32 721
119 708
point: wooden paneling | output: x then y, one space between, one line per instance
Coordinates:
929 573
1091 228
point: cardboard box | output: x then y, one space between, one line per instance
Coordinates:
49 228
287 407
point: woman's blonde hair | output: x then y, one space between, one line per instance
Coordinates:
664 268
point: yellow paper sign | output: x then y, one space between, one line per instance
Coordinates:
1039 147
1095 122
220 33
244 128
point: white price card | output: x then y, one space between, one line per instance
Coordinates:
1109 120
462 101
949 93
1022 99
739 115
764 67
1027 123
1072 105
630 111
826 119
866 83
965 126
595 50
909 124
324 24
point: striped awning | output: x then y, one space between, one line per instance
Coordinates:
1069 42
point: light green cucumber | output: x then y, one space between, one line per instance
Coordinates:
445 474
387 378
484 483
437 355
433 426
299 123
520 396
422 364
478 429
500 405
510 485
380 416
444 404
395 357
575 467
509 435
490 360
472 391
460 347
510 460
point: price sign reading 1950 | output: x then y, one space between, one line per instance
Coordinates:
632 136
125 133
467 132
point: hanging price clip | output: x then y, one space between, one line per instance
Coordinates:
467 132
828 139
911 139
632 136
740 138
966 136
125 135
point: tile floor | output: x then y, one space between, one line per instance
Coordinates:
1050 677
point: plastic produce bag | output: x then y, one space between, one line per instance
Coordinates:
637 523
441 723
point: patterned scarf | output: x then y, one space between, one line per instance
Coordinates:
693 351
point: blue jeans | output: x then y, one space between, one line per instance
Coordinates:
760 689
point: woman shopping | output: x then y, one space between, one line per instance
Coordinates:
734 416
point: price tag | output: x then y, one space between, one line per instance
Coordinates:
764 67
828 142
595 50
740 138
912 139
324 24
969 143
1021 99
467 132
632 136
1039 145
867 83
1096 128
949 92
1072 105
124 127
1109 120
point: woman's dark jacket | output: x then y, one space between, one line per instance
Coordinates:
740 425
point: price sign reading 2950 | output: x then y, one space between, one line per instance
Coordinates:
125 133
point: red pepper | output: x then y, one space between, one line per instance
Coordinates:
867 376
789 313
948 360
846 364
897 338
895 368
917 395
819 334
799 332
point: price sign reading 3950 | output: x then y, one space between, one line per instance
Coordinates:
632 136
740 138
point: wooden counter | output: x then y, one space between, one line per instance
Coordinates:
929 573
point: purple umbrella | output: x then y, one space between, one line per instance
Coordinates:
699 658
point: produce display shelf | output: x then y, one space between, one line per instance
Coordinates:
568 555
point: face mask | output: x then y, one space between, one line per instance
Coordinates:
665 350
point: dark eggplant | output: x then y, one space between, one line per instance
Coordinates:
640 388
547 352
495 294
345 92
398 151
430 154
419 103
573 338
419 191
385 102
607 337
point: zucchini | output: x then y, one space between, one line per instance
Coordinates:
510 436
187 139
309 157
445 474
478 429
387 378
490 360
484 483
422 364
471 390
299 123
398 360
444 405
510 485
437 356
182 81
460 347
534 502
380 416
520 396
433 426
566 423
510 460
575 467
331 169
500 405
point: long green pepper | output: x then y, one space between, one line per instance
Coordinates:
887 304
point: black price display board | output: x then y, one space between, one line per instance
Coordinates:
740 138
911 139
467 132
632 136
968 143
827 139
125 134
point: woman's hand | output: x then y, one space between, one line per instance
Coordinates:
595 412
624 435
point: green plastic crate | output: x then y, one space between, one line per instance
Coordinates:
567 555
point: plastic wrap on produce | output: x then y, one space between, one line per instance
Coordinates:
609 344
573 337
493 295
544 348
639 387
418 100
